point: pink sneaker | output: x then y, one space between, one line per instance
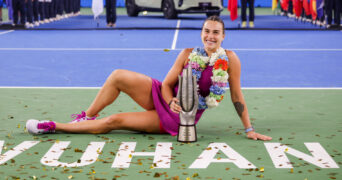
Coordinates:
40 127
81 117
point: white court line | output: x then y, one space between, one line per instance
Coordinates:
5 32
285 49
247 88
175 37
81 49
151 49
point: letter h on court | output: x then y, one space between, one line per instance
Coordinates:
162 155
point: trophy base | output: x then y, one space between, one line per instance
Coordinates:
187 133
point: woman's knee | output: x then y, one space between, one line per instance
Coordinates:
107 124
118 75
113 122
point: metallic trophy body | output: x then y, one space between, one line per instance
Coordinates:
188 98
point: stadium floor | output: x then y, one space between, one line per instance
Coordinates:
291 117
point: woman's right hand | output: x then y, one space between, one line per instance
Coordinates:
174 105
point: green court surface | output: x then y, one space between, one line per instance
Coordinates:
291 116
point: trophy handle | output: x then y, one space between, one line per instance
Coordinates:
180 80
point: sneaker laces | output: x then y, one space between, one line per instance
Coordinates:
82 117
47 126
78 116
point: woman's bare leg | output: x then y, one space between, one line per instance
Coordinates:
147 121
136 85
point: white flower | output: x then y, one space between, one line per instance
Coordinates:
205 59
213 59
221 51
211 102
222 79
192 55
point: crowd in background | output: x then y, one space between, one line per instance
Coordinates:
35 12
32 13
325 13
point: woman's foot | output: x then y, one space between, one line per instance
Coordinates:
244 24
81 117
251 24
109 25
40 127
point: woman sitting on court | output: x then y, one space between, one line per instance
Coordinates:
214 68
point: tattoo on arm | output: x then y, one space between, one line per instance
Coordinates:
239 108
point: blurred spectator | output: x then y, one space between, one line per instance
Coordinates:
29 14
251 13
18 9
333 5
111 12
1 5
35 12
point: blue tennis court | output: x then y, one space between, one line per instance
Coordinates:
84 58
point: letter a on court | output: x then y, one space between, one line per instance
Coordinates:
208 156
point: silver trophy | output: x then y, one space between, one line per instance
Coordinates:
188 100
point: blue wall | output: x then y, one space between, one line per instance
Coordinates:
121 3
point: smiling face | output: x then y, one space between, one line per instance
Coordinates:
212 35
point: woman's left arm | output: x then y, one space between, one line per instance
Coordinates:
238 100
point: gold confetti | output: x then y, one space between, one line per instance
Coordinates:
287 149
188 178
260 176
57 141
144 13
166 50
130 156
209 148
70 177
175 178
93 171
291 170
18 126
262 169
195 175
156 175
78 150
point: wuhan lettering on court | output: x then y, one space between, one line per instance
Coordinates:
162 155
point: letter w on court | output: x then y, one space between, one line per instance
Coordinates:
16 150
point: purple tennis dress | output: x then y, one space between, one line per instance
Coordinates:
170 120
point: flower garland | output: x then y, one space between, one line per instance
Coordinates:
199 60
